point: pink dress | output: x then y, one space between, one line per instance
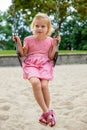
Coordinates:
37 63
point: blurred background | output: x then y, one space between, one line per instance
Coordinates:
69 15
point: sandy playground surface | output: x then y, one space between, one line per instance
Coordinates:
19 110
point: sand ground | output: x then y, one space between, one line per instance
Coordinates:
19 110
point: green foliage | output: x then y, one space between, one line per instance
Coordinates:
5 32
74 35
81 8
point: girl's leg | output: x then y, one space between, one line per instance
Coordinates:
37 90
46 95
45 91
42 96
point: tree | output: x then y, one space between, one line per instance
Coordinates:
30 7
67 8
5 32
74 35
80 7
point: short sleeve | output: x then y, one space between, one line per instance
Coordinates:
26 43
51 39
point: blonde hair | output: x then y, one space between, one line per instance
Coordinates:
44 16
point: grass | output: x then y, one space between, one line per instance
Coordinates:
73 51
13 52
7 52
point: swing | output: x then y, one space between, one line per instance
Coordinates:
56 32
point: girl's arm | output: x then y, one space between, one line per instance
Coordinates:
53 48
21 50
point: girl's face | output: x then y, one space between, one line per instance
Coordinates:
40 28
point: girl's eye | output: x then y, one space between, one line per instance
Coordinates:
43 26
37 26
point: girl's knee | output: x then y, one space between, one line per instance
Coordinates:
44 84
34 81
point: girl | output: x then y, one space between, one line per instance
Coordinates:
38 66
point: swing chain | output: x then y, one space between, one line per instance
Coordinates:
57 31
57 15
14 32
14 16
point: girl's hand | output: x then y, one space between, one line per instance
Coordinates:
53 48
56 40
16 39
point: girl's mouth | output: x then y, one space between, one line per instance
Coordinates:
39 32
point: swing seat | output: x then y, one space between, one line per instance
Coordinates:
55 58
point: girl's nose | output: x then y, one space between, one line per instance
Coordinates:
40 28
